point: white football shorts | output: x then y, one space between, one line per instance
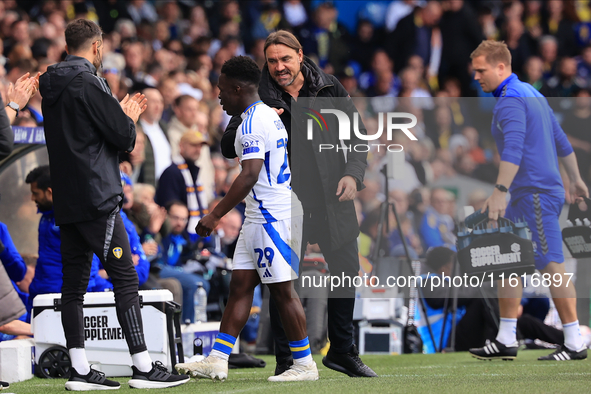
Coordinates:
273 249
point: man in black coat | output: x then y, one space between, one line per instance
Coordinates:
412 35
326 185
85 128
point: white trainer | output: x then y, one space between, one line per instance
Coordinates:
211 367
297 373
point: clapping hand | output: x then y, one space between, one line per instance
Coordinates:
24 88
134 106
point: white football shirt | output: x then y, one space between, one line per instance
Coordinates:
262 135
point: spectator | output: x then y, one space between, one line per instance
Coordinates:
382 97
420 98
113 65
157 147
534 72
185 109
548 48
576 126
401 202
363 45
141 10
266 17
474 150
169 90
295 13
228 232
560 27
566 82
486 19
325 39
177 249
532 19
437 225
584 64
148 217
460 35
380 63
413 35
133 51
179 182
397 10
518 44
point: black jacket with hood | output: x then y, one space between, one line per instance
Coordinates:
332 165
85 128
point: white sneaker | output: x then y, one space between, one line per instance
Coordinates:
297 373
211 367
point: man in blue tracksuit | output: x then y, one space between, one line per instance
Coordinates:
530 142
48 271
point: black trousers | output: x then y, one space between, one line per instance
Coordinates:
477 325
341 301
106 237
529 327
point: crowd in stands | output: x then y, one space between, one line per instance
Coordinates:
404 55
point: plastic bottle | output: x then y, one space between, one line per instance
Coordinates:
200 304
586 222
569 223
578 222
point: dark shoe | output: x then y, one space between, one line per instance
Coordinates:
495 350
157 377
4 385
564 354
283 366
348 363
95 380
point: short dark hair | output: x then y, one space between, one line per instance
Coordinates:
80 34
243 69
439 256
174 203
41 176
182 98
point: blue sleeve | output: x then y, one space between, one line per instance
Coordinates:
143 266
563 146
11 259
511 116
429 231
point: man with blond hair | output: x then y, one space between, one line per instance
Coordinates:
529 140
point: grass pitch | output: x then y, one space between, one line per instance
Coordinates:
455 373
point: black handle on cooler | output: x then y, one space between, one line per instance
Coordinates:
475 218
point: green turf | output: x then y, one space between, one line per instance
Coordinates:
440 373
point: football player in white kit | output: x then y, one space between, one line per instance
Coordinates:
269 244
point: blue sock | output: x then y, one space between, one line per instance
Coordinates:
300 350
222 347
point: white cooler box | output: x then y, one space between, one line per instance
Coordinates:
106 348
